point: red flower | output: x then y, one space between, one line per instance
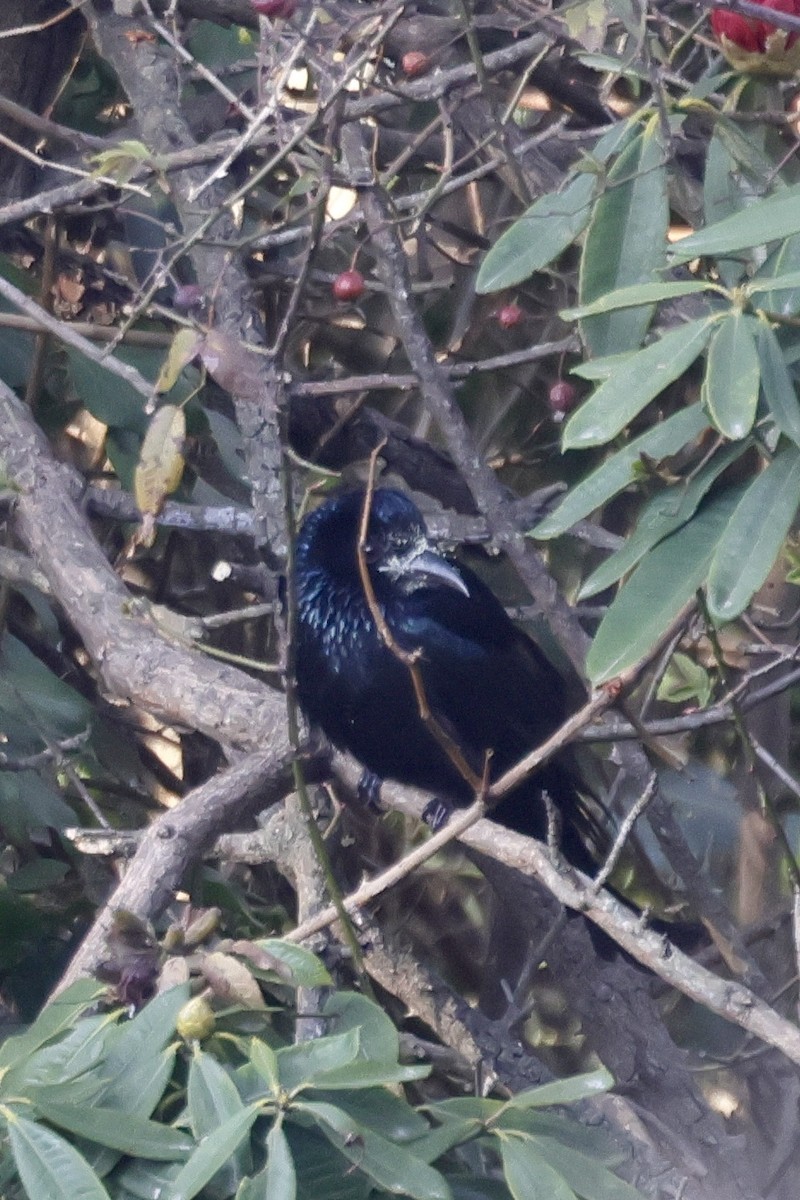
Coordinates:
755 44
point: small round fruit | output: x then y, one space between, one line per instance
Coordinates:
509 315
415 63
561 399
349 285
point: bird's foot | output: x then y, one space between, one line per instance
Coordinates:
369 791
437 813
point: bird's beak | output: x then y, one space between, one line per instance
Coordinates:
423 566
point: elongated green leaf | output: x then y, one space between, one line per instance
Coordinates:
265 1061
211 1094
661 516
776 284
565 1091
657 592
733 372
636 294
634 384
765 221
754 536
55 1019
369 1075
777 384
598 369
626 241
301 1064
583 1174
730 184
392 1167
305 967
49 1167
280 1176
620 470
780 283
377 1034
444 1137
133 1135
538 236
528 1176
66 1063
214 1151
213 1102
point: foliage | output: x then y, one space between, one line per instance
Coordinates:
97 1105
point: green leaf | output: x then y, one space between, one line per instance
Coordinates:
321 1170
583 1174
453 1132
626 241
212 1096
634 384
133 1135
59 1016
538 236
779 283
776 284
301 1064
528 1176
620 470
377 1033
565 1091
369 1075
662 515
635 295
214 1151
733 372
142 1179
663 584
765 221
385 1111
66 1063
138 1064
598 369
391 1166
106 396
280 1178
754 536
51 1169
730 183
265 1061
306 968
684 680
777 384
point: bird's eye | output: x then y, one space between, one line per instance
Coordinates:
371 549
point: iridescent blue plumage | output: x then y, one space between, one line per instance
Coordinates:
488 684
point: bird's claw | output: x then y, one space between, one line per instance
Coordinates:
369 791
437 813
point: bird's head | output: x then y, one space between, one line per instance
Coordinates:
397 548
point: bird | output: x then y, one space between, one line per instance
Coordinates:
488 685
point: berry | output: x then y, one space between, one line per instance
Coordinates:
509 315
275 8
349 285
415 63
561 399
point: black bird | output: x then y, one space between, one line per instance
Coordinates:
488 684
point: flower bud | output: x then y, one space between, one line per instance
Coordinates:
754 44
196 1020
